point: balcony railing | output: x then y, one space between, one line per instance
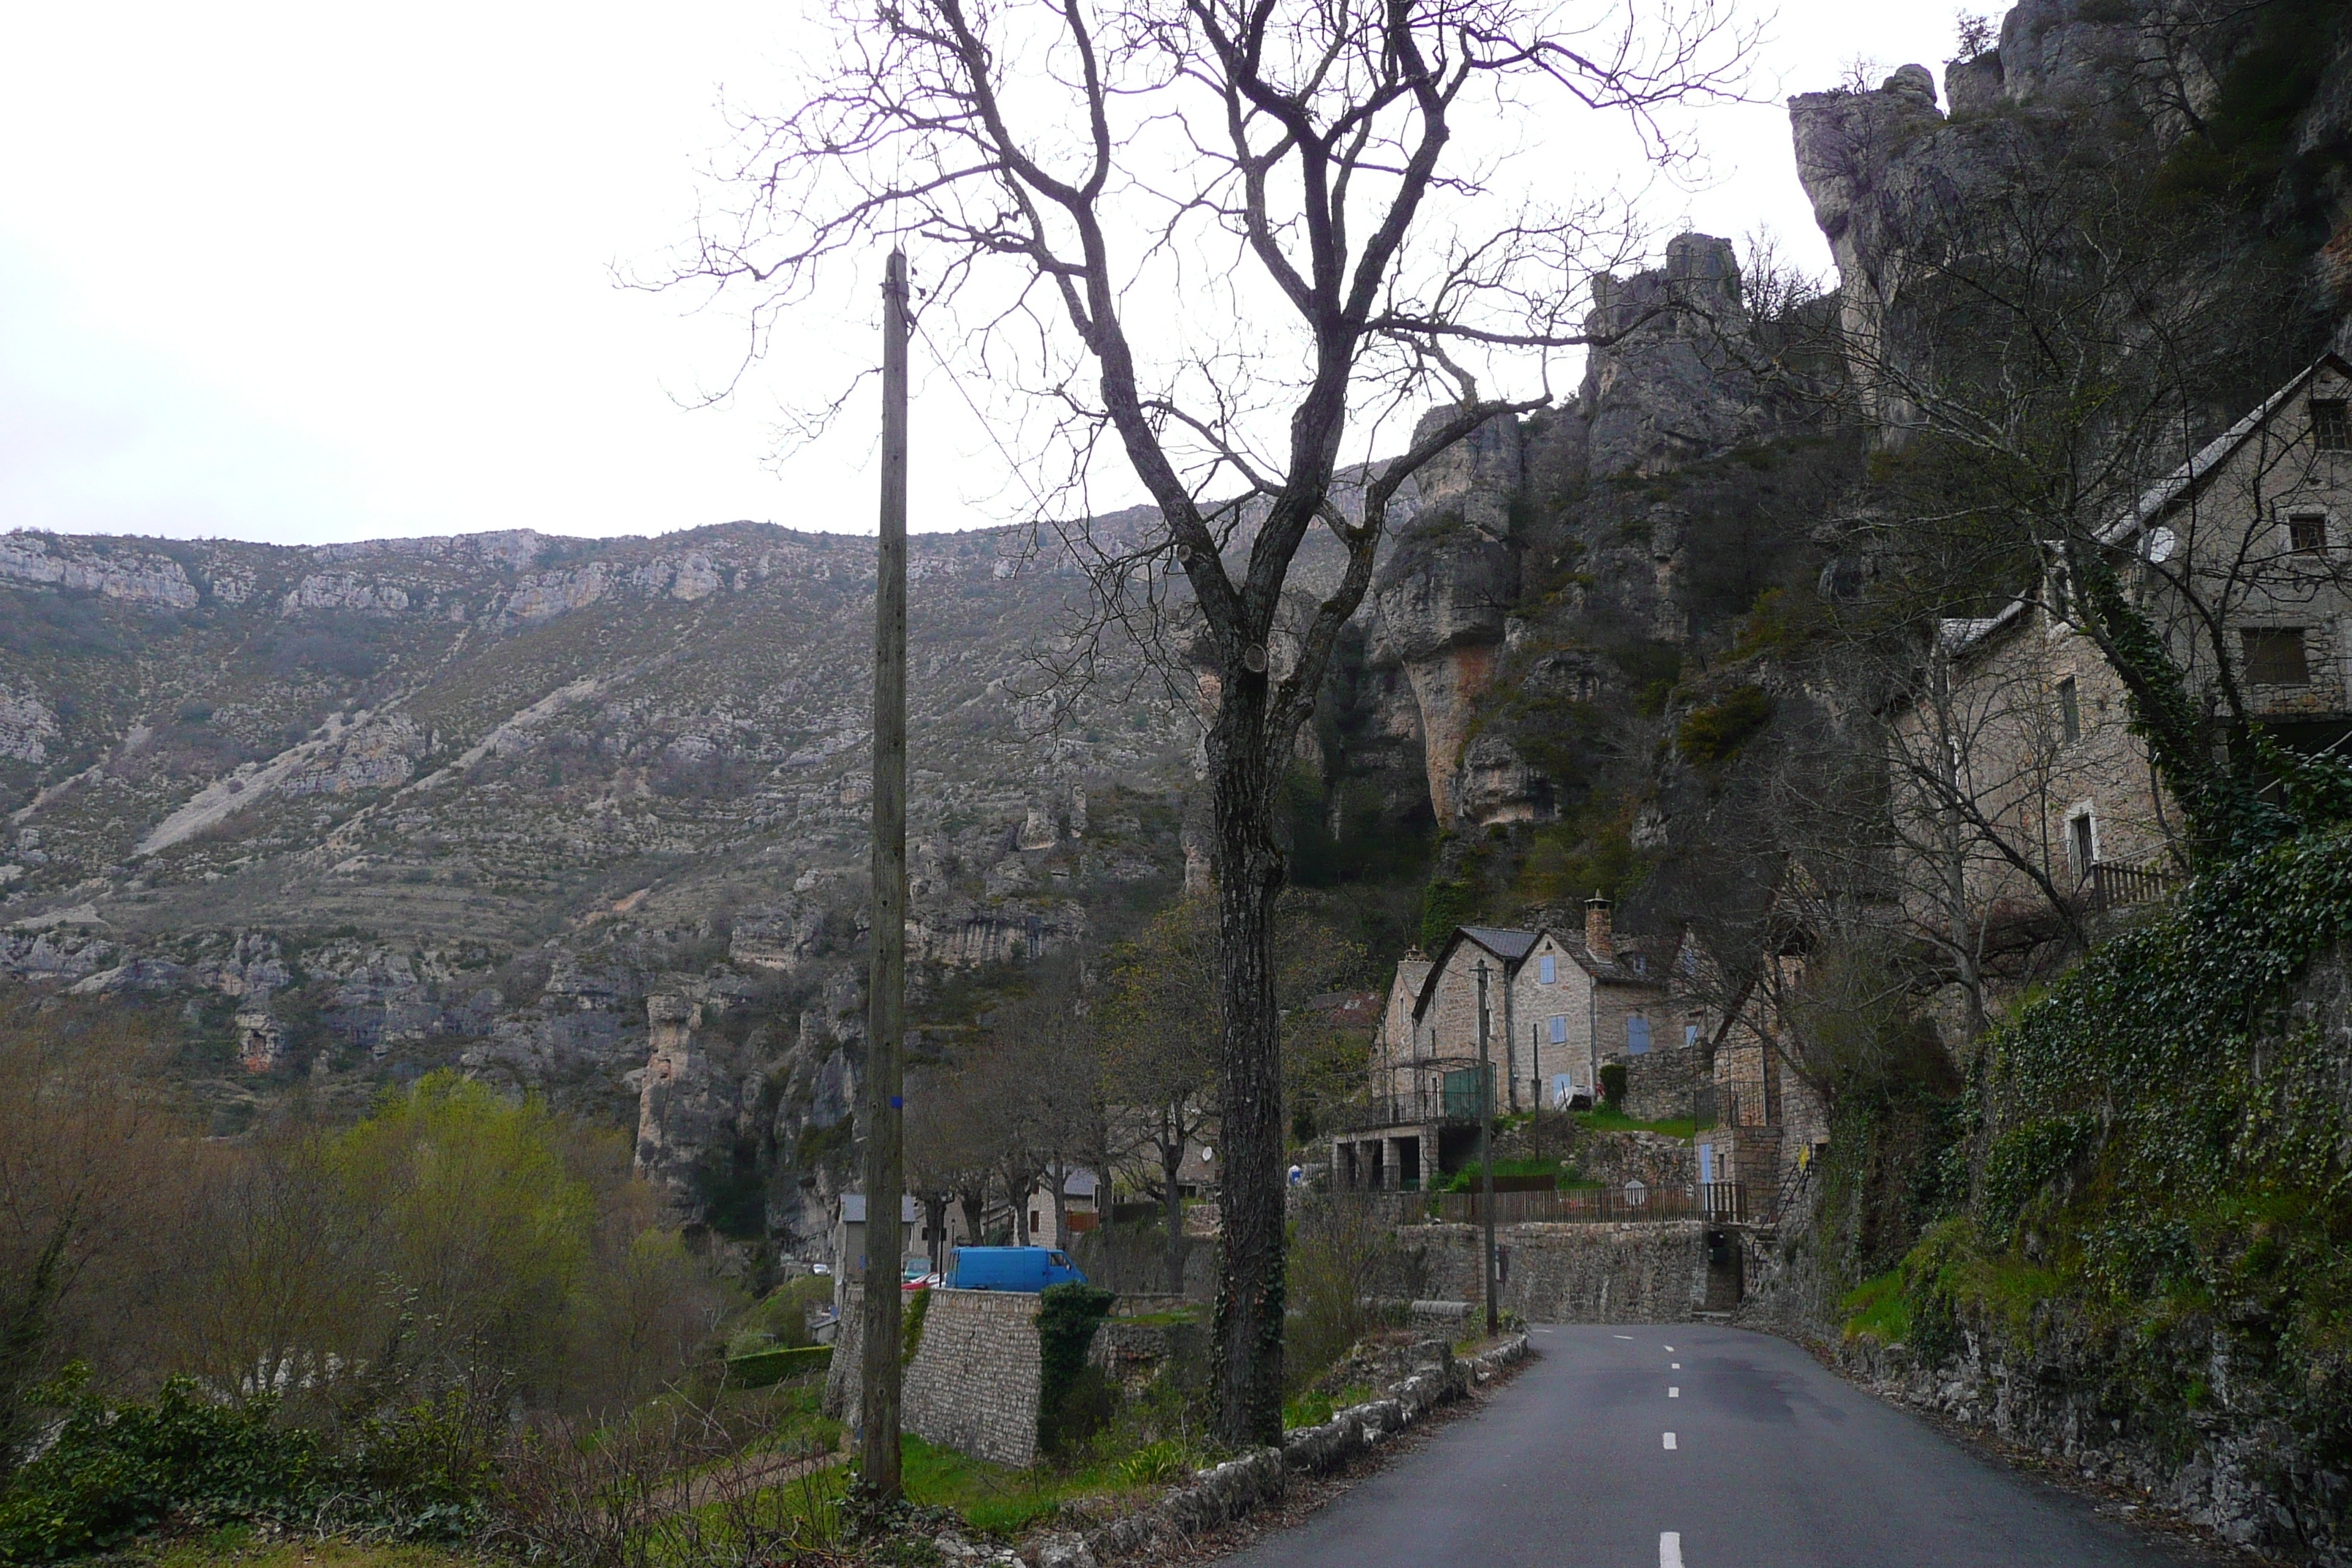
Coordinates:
1719 1201
2113 885
1401 1111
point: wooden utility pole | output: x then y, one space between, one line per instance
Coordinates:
886 1017
1486 1149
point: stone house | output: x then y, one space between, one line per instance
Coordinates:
2021 715
850 1256
1768 1125
1557 1006
1079 1191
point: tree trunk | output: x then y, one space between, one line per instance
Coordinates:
1249 872
935 1221
1061 1206
1171 1159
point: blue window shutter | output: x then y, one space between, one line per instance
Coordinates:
1559 1030
1637 1037
1550 969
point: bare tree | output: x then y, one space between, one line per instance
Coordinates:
1291 175
2067 341
946 1157
1159 1033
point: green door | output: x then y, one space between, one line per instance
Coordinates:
1462 1096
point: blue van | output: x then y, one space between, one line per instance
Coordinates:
1030 1269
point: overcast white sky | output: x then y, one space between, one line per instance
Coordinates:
315 272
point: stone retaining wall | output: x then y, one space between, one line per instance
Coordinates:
973 1383
1228 1491
1651 1272
1654 1158
1659 1084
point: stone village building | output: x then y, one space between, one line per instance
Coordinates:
2031 721
1558 1008
1568 1005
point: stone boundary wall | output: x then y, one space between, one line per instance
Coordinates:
1653 1272
1654 1158
1659 1083
1228 1491
973 1383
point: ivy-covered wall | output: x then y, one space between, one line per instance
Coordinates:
2129 1243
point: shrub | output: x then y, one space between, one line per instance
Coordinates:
761 1368
111 1472
1613 1085
1713 733
1073 1398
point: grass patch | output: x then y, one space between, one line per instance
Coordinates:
1469 1177
1877 1310
1314 1407
991 1498
995 1499
235 1544
1604 1119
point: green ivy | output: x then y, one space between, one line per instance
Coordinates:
110 1472
1073 1398
910 1327
2160 1147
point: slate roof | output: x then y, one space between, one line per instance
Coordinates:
1505 942
1963 637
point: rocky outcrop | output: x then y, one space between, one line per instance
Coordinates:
1886 176
134 577
343 591
1441 599
1673 386
27 725
685 1109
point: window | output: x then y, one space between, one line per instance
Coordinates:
2307 534
2070 710
1637 1037
2331 430
1032 1222
1690 1034
1559 1030
2080 843
2274 655
1548 969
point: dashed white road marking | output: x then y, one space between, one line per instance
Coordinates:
1672 1393
1675 1366
1670 1349
1670 1549
1621 1336
1670 1441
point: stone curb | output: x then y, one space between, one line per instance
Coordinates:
1228 1491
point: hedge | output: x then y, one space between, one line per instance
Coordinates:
761 1368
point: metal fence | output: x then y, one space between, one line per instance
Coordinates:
1721 1201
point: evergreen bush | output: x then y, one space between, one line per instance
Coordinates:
1073 1399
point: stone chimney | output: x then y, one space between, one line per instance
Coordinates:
1600 937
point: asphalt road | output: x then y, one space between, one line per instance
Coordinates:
1695 1447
